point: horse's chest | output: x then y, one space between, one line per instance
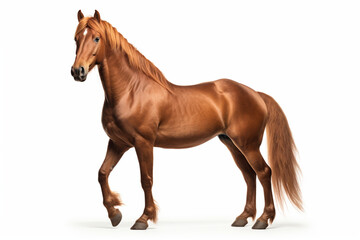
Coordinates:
114 128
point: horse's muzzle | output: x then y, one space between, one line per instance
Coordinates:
79 74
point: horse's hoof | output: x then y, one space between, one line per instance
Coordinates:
260 225
139 226
239 222
116 219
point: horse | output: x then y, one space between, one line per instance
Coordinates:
142 109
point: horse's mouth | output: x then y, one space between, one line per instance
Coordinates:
80 78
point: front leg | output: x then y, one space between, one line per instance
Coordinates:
111 199
144 151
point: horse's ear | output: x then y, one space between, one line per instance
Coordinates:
80 15
97 16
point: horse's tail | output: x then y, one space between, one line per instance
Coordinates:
281 154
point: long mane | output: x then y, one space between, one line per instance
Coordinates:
116 41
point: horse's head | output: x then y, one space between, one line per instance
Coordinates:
89 46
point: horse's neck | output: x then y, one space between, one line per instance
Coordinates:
116 75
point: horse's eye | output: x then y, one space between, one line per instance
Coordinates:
97 39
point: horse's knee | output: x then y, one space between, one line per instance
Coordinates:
102 175
146 183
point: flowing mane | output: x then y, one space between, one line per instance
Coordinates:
116 41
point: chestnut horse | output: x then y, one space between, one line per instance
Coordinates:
143 110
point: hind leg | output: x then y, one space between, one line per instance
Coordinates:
263 171
250 179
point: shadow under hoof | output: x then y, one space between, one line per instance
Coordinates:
239 222
139 226
260 225
116 219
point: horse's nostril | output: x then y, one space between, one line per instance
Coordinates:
82 70
78 72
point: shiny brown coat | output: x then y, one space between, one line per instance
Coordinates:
143 110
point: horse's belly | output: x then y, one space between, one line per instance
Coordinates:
186 136
181 142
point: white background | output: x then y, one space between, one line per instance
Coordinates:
306 54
